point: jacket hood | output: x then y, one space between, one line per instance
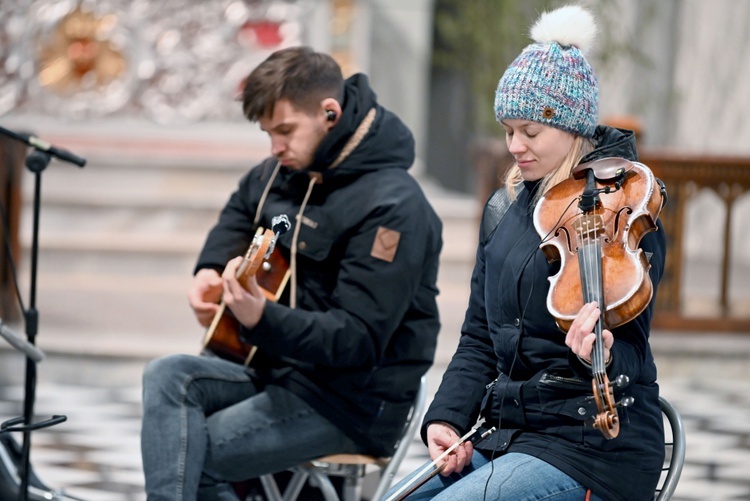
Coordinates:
387 141
612 142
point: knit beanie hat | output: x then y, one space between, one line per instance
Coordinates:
551 82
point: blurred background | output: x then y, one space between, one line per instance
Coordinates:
146 92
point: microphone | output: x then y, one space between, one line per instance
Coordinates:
19 344
45 147
54 151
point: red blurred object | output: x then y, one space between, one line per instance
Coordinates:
264 33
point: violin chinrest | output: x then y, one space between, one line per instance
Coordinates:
605 169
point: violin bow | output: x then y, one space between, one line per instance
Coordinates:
430 470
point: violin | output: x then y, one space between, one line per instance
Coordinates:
593 223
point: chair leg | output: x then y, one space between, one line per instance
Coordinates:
292 490
352 489
270 488
295 485
322 482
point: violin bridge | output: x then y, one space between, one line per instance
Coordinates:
588 227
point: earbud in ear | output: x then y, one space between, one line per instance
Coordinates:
330 115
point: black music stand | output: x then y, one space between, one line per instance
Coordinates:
36 161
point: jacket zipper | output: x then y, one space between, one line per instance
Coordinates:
552 378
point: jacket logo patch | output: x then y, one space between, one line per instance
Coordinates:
386 244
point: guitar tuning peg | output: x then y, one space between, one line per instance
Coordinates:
280 224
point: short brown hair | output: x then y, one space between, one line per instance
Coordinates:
298 74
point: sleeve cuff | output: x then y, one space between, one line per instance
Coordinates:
587 364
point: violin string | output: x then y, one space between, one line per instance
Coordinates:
591 281
592 272
584 250
598 348
594 269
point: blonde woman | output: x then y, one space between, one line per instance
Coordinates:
514 368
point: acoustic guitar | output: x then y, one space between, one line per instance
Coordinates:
271 270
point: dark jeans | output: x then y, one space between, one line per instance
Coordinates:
207 422
514 476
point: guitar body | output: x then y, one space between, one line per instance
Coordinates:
223 338
272 273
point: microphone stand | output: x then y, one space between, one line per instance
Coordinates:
36 161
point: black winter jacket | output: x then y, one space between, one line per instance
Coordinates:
512 357
364 329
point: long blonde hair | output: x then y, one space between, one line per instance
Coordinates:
580 147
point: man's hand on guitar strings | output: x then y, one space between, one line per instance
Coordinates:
246 303
204 295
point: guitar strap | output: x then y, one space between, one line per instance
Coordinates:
265 194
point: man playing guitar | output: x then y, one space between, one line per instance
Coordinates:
338 354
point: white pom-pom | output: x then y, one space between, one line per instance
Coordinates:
570 25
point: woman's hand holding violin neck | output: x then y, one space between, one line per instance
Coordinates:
580 337
440 437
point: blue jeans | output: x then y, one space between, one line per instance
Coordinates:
208 422
512 476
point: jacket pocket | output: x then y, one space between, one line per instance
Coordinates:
315 244
569 396
317 268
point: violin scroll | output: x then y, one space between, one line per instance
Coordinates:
608 421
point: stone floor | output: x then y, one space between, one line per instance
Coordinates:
92 373
94 455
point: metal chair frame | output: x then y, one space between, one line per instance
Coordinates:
353 467
675 451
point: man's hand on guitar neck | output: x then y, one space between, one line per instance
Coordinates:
204 295
246 301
